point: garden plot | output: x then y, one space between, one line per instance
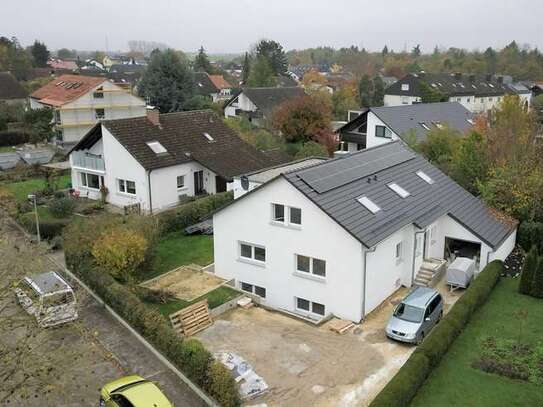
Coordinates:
186 282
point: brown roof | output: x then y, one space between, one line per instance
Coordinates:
65 89
219 82
182 135
10 88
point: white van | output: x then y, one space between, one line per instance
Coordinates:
48 297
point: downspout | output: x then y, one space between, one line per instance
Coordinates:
150 194
414 252
488 257
371 250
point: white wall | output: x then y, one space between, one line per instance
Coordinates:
243 103
249 220
397 100
371 139
239 191
505 248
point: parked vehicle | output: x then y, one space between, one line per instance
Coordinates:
132 391
48 297
415 316
460 272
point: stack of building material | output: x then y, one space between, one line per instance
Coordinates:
251 385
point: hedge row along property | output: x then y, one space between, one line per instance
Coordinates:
189 355
405 384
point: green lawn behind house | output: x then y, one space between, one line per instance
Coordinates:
21 190
215 298
176 250
456 383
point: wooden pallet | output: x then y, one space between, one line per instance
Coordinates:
191 319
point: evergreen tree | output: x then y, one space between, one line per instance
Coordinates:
246 68
261 74
201 62
365 91
40 54
274 53
537 284
378 95
167 82
528 272
384 52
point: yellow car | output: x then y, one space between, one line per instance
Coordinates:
132 391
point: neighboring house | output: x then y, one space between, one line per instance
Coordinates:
477 93
156 161
378 125
388 80
62 64
213 86
11 91
81 101
247 182
339 237
258 104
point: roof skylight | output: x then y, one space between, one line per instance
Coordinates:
425 126
368 204
425 177
399 190
156 147
208 137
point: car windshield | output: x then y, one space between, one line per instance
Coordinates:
408 313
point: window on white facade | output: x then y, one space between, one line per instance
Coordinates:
278 212
180 182
369 204
253 289
91 181
399 252
295 215
343 146
98 94
127 187
382 131
252 252
99 113
468 100
57 116
405 87
310 306
310 265
399 190
157 147
425 177
287 215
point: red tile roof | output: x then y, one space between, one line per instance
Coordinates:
65 89
219 82
62 64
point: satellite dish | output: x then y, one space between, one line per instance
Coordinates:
245 182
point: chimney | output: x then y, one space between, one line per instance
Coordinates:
153 115
500 79
457 76
489 78
472 78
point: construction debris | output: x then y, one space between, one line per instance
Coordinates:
340 326
251 385
245 302
191 319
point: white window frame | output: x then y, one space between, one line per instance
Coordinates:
368 204
122 187
85 180
252 259
309 311
253 289
184 186
311 271
405 87
156 147
98 116
386 133
399 252
287 216
401 192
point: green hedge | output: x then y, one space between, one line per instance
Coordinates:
189 355
531 234
405 384
13 138
49 228
192 212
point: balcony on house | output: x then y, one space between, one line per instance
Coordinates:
88 161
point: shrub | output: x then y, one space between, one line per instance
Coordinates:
13 138
222 386
528 272
537 285
159 296
404 385
531 234
121 251
62 207
311 149
49 228
192 212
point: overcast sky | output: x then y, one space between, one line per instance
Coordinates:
233 25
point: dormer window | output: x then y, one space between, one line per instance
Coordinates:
157 147
368 204
405 87
399 190
425 177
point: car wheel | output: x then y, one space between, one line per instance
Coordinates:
421 338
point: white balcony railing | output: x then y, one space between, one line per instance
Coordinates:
89 161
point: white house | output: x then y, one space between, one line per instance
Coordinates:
81 101
377 125
154 162
477 93
339 237
213 86
258 104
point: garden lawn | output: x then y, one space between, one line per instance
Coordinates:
455 383
21 190
176 250
215 298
